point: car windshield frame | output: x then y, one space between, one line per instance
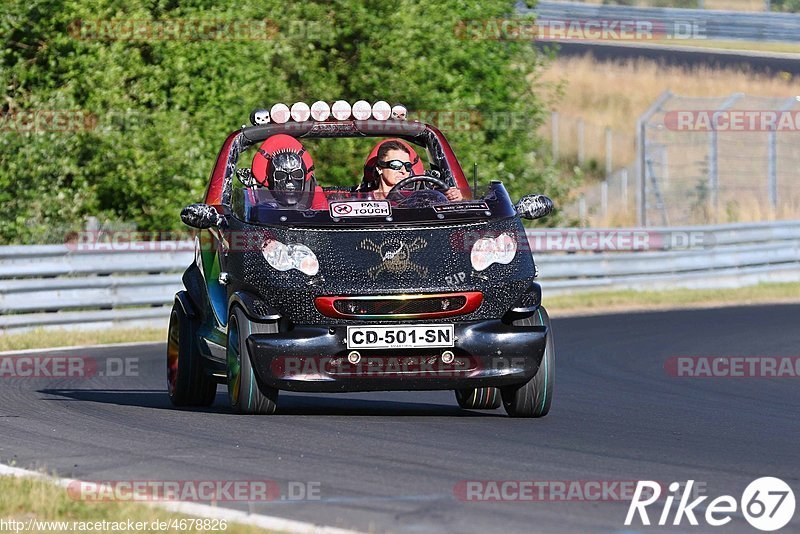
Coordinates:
259 207
220 187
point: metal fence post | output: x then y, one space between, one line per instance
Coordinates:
772 157
609 152
604 198
623 186
641 151
554 134
713 152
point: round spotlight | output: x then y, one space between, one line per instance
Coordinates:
320 111
381 110
300 112
399 111
279 113
341 110
259 117
362 110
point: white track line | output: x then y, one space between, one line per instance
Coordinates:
199 510
82 347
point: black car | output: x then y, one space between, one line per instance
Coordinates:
340 289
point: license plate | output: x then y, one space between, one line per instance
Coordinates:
400 337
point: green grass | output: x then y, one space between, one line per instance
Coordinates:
40 338
24 499
599 301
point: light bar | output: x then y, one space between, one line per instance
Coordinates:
280 113
362 110
381 110
320 111
300 112
341 110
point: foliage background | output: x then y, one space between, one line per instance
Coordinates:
165 106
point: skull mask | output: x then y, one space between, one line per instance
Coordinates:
286 174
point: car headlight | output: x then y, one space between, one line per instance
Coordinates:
488 250
284 257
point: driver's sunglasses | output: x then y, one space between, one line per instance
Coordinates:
296 174
395 165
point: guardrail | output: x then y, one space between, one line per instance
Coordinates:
61 286
719 25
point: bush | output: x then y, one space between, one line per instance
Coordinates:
791 6
164 106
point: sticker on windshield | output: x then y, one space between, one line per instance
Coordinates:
462 206
361 208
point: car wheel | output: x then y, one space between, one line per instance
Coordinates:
534 398
246 394
187 382
478 398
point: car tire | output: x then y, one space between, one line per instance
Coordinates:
478 398
245 393
187 382
534 398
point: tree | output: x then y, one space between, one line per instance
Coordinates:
163 82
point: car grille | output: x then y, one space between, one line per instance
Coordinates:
399 306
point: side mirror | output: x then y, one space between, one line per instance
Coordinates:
200 216
534 206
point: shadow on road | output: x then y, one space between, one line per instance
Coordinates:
289 404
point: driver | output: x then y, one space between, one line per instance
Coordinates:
393 163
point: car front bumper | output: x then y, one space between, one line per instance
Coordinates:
315 359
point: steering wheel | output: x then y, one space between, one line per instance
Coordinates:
394 193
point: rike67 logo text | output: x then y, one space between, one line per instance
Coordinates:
767 503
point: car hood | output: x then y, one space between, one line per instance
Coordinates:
383 261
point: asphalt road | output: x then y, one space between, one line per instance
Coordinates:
390 461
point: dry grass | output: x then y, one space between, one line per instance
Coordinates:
616 94
39 339
618 301
736 5
26 499
747 46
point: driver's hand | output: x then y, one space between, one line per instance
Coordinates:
453 194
